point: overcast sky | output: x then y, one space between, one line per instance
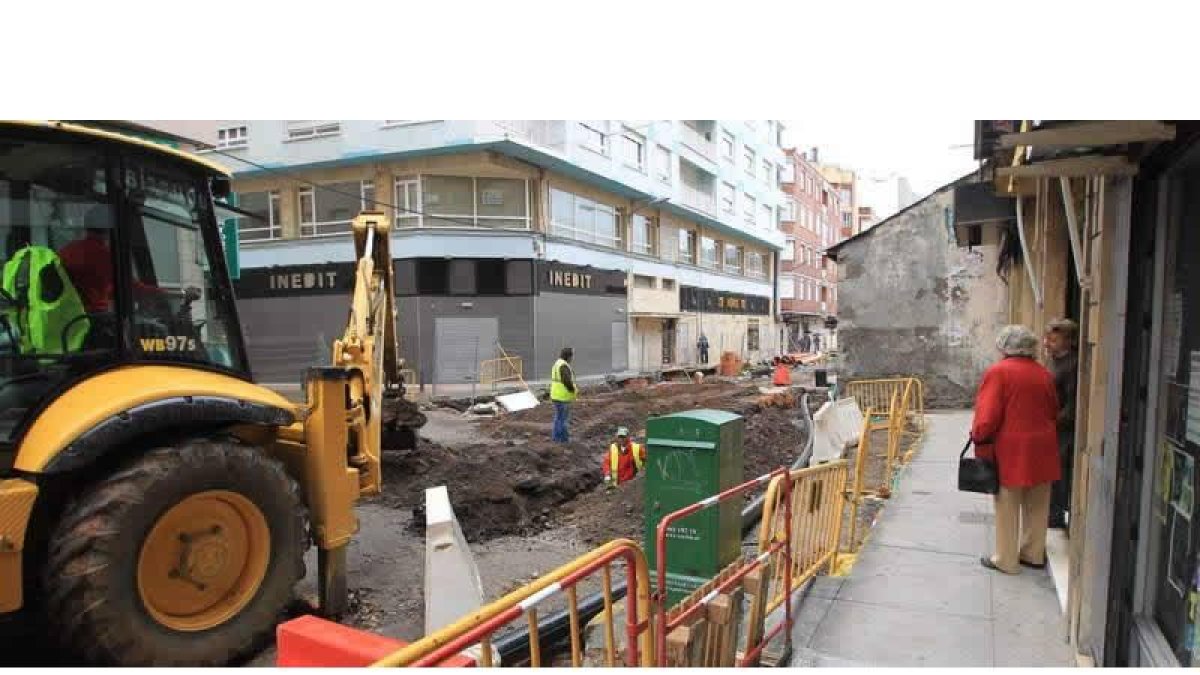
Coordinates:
918 149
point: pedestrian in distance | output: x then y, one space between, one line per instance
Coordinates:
563 392
624 460
1015 427
702 345
1062 357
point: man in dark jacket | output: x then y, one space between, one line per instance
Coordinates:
1062 358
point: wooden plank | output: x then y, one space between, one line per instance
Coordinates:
1112 132
1091 165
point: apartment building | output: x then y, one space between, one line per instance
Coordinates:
625 239
808 280
845 183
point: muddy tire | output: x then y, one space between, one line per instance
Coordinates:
185 557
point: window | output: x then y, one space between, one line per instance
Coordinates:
405 123
302 129
644 235
749 165
631 149
266 206
708 252
464 201
787 287
181 313
662 164
768 171
824 293
733 258
328 209
687 246
767 220
668 284
727 146
640 281
231 137
752 335
789 250
583 219
727 197
368 196
748 207
846 219
755 265
408 202
594 138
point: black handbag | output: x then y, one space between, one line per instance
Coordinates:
977 475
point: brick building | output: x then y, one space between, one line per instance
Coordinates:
807 279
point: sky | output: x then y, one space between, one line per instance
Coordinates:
929 151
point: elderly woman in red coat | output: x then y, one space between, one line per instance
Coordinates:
1015 425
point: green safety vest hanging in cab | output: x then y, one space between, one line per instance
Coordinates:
558 390
46 303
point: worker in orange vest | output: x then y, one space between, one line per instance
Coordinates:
624 460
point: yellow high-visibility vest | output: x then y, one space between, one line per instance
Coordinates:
558 390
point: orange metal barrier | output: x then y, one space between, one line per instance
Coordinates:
715 601
478 628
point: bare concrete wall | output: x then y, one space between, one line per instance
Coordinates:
911 302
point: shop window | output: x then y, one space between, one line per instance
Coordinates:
462 277
752 335
433 277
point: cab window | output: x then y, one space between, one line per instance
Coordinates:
180 311
58 271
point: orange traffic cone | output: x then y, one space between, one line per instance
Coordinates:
783 376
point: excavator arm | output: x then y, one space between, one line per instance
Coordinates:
349 406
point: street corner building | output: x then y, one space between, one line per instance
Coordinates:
625 240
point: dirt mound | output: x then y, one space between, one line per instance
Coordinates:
521 482
499 488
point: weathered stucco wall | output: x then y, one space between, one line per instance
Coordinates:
913 303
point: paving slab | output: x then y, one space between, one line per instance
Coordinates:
917 595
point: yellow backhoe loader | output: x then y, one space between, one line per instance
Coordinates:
156 503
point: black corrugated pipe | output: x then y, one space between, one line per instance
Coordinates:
555 629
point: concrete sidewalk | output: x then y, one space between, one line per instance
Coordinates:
917 595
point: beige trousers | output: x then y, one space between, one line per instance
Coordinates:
1021 515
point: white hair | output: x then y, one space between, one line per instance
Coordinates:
1016 340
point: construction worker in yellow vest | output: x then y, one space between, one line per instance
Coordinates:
562 393
624 461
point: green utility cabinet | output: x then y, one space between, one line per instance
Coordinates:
690 456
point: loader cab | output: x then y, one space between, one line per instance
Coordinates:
110 256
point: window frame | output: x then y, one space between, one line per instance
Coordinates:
650 247
571 230
603 148
223 137
304 130
731 207
274 220
751 161
728 138
715 264
626 138
661 151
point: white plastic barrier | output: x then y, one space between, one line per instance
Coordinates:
836 426
453 588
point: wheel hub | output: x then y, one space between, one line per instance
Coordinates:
203 560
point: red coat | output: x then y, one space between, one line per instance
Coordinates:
1016 414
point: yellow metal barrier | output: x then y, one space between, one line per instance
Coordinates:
477 628
817 497
504 369
900 405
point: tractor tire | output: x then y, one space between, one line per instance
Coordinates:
187 556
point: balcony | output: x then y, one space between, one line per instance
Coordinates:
699 137
551 134
698 198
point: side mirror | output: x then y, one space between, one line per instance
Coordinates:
222 187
